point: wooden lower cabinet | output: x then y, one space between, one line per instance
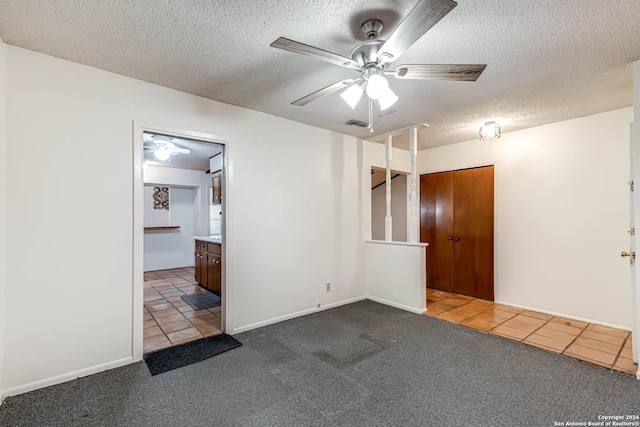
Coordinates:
208 265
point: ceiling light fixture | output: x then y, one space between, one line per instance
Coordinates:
352 95
377 88
163 153
490 130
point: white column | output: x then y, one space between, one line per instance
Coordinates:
388 223
414 219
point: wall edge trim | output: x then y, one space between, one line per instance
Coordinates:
396 305
63 378
301 313
568 316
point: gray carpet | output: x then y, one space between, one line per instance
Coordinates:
364 364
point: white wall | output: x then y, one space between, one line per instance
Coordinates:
396 275
3 77
562 214
199 181
279 258
398 209
165 249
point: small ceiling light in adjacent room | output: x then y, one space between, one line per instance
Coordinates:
163 153
490 130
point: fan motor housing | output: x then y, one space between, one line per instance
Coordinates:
367 53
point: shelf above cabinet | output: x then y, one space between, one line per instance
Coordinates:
161 228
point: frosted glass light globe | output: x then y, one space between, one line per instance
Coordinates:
376 86
163 154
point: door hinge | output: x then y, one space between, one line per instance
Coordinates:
631 185
632 231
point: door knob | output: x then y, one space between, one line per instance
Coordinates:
449 238
457 239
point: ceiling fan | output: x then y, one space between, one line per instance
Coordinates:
373 58
163 146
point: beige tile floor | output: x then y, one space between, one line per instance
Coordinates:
168 319
599 345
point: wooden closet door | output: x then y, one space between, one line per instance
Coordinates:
473 232
463 239
436 228
483 200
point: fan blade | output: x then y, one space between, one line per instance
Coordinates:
324 91
457 72
314 52
181 150
422 17
150 149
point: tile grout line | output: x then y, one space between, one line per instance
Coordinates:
615 361
587 360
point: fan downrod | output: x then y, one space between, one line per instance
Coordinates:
371 28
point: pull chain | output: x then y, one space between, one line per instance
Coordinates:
370 115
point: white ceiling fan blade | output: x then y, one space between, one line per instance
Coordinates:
314 52
422 17
456 72
343 84
179 150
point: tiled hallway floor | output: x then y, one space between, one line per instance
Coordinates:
595 344
168 319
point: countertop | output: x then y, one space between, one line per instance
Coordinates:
210 239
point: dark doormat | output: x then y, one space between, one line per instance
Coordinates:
189 353
202 300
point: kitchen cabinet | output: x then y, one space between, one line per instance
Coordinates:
456 219
208 265
216 188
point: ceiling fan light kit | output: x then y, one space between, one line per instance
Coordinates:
164 148
373 57
352 95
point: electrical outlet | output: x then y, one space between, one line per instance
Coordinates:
328 287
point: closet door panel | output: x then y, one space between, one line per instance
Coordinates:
436 226
463 231
483 203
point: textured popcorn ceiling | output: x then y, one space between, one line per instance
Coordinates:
547 60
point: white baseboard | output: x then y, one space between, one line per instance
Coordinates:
396 305
293 315
553 313
65 377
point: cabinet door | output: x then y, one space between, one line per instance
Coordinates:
214 270
198 275
436 228
203 269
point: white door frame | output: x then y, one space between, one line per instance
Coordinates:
138 226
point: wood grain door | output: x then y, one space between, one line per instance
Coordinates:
483 202
456 219
463 237
436 228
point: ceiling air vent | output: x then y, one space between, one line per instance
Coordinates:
354 122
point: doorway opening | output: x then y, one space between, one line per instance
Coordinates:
457 220
399 208
179 214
